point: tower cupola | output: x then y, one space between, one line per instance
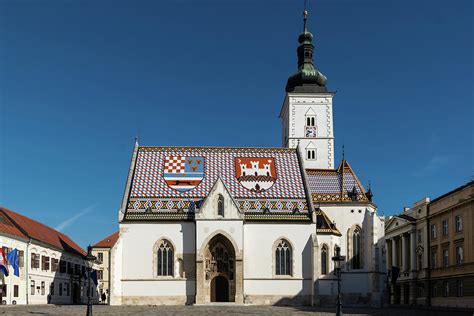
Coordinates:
307 78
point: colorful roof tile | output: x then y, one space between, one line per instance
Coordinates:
180 178
338 185
107 242
30 228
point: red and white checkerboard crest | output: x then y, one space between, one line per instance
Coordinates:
183 173
257 174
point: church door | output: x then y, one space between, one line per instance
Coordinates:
219 289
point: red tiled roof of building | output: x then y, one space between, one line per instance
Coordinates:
8 227
30 228
107 242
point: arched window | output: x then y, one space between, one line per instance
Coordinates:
324 260
165 259
356 249
220 205
283 258
311 154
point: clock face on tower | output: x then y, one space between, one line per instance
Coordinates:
310 131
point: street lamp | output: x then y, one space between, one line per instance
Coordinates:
89 261
337 265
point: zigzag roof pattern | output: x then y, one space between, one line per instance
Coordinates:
149 189
335 185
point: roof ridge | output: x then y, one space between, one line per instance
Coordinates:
218 147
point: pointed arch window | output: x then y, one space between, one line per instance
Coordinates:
324 260
220 205
283 258
356 249
165 258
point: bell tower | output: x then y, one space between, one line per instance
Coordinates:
306 113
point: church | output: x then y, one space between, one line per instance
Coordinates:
251 225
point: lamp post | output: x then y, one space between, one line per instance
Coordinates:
337 264
89 260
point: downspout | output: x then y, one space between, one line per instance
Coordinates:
26 269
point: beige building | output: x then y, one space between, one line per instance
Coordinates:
406 244
431 245
101 251
451 223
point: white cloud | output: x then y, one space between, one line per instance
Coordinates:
435 163
72 219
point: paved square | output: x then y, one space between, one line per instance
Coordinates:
221 309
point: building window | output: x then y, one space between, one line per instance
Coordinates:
100 274
445 227
356 249
60 289
420 236
420 261
433 259
324 260
21 258
458 223
54 264
100 256
62 266
15 290
44 263
51 288
35 261
434 289
445 288
460 288
459 255
70 268
445 257
310 120
32 287
66 288
283 258
433 231
165 259
77 269
220 205
311 154
43 285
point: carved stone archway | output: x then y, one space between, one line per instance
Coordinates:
219 266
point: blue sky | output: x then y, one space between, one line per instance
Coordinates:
80 79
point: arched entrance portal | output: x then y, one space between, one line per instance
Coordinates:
219 265
219 289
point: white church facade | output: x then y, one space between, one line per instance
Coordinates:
251 225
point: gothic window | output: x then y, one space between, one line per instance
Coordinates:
324 260
283 258
165 258
356 249
220 205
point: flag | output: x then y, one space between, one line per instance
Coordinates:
12 258
3 263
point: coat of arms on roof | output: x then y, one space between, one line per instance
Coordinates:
257 174
183 173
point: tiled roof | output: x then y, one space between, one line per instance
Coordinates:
35 230
150 189
335 185
324 224
107 242
8 227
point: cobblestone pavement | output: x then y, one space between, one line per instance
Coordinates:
71 310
